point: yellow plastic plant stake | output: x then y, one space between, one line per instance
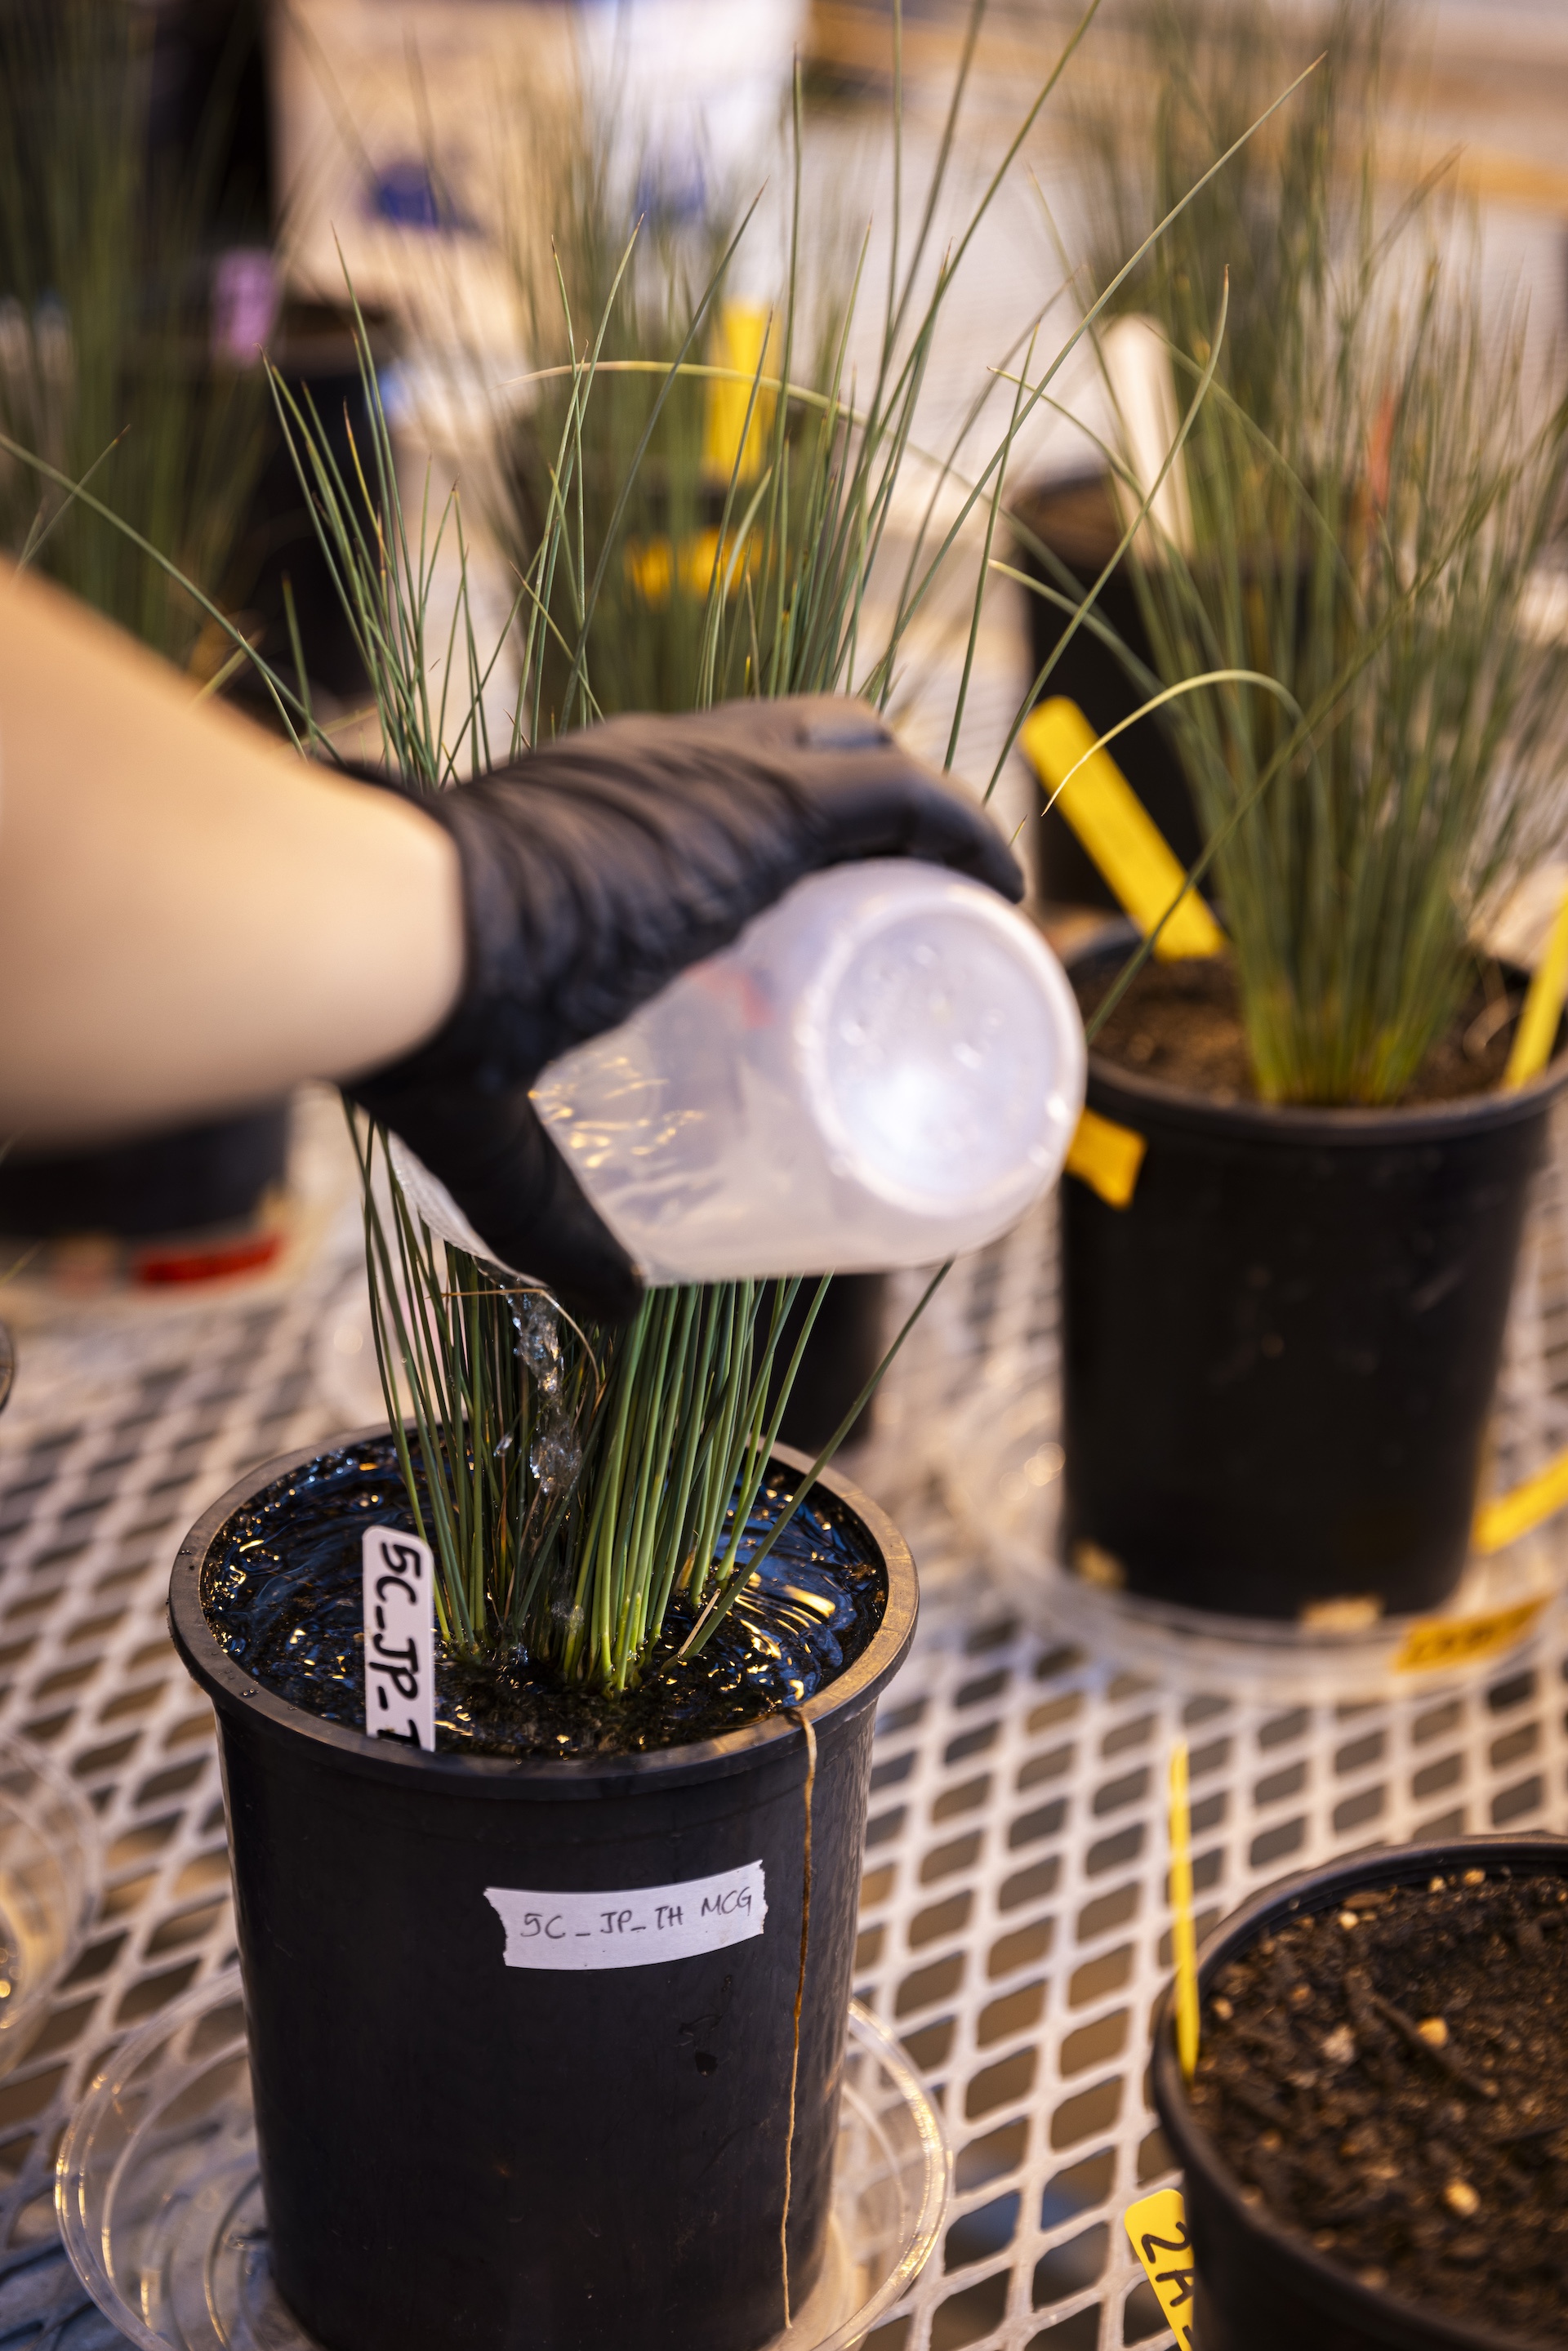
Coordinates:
1506 1517
1537 1030
1116 830
1184 1940
741 343
1107 1158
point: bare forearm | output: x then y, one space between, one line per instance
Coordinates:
190 918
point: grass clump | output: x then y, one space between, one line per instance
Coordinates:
1369 490
105 370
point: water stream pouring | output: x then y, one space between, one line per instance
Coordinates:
885 1068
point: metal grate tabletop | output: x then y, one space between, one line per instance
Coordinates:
1015 1929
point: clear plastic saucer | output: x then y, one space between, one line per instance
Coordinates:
1003 1481
50 1868
159 2202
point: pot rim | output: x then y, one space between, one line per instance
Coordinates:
238 1693
1335 2290
1332 1124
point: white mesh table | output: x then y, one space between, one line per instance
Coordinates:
1015 1932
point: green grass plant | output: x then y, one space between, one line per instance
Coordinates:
648 291
104 367
1183 81
570 1479
1369 490
1376 563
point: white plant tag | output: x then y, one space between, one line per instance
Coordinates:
400 1637
636 1929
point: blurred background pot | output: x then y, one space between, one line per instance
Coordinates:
278 553
842 1352
1077 522
190 1180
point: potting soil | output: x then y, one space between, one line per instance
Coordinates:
1391 2079
1181 1022
283 1595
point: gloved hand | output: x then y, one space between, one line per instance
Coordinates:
595 870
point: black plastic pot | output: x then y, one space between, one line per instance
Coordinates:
461 2152
315 352
1077 521
1278 1360
208 112
1258 2282
191 1180
842 1352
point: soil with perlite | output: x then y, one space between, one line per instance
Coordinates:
1181 1023
282 1592
1391 2080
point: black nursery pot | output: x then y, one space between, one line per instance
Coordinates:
279 558
843 1350
191 1180
1257 2281
460 2150
1077 520
1278 1360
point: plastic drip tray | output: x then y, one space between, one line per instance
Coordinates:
159 2200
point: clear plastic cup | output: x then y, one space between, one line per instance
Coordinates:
885 1068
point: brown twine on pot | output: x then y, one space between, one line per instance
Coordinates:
795 1715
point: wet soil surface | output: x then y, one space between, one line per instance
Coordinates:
1181 1023
282 1592
1391 2080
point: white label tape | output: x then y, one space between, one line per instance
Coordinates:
635 1930
400 1637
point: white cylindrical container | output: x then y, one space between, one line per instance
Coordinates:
886 1067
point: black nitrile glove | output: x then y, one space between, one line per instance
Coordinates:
593 872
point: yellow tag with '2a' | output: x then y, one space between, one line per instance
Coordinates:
1157 2226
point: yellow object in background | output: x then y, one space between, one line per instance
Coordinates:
1157 2226
654 566
1184 1938
1438 1644
1106 1157
1117 830
1537 1030
1506 1517
740 342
